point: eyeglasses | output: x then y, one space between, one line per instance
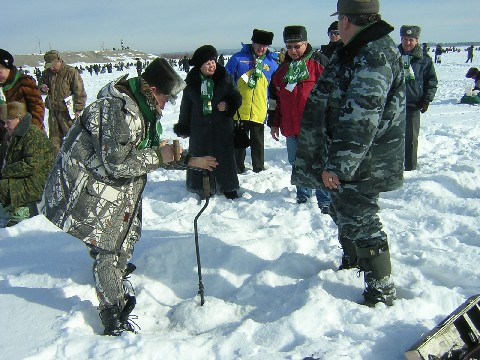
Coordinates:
296 46
333 32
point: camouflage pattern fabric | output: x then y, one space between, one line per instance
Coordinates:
94 189
353 126
354 120
25 161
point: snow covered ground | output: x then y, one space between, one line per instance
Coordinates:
269 265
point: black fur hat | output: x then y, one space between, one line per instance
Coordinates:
203 54
294 33
6 59
262 37
160 74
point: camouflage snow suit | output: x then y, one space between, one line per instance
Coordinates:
353 126
94 191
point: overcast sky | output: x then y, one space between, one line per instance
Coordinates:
161 26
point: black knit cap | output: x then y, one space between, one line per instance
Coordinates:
333 26
294 33
262 37
159 73
203 54
6 59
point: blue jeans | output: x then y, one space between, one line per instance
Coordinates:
323 197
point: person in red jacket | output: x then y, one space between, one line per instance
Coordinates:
290 86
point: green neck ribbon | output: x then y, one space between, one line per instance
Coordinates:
3 99
297 70
257 72
154 127
206 94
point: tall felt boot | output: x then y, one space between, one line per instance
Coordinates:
349 256
375 262
111 321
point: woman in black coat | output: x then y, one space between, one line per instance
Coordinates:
206 117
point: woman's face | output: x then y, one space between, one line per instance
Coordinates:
208 68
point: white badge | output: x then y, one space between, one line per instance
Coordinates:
290 87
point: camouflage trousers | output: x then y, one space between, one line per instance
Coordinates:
59 123
111 256
361 236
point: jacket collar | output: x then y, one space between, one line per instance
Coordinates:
417 51
193 76
373 32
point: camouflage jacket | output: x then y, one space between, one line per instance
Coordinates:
25 161
95 187
63 84
354 120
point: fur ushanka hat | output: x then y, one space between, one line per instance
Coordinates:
203 54
410 31
262 37
160 74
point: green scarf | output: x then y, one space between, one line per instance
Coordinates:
3 99
297 70
407 68
206 94
154 127
257 72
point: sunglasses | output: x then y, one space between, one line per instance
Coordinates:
296 46
333 32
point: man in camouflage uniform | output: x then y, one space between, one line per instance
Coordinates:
26 156
94 191
351 140
59 82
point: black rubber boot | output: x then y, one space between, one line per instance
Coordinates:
349 257
375 262
111 321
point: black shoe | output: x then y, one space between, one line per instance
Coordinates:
324 209
110 317
231 195
302 200
257 170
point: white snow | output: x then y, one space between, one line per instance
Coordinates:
269 265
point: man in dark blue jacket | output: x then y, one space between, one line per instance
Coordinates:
421 81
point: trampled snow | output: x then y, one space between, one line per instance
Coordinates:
269 266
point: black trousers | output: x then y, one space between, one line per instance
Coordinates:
412 129
257 144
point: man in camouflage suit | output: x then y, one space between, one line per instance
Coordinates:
26 156
94 191
352 140
59 82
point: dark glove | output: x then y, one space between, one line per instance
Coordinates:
424 107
